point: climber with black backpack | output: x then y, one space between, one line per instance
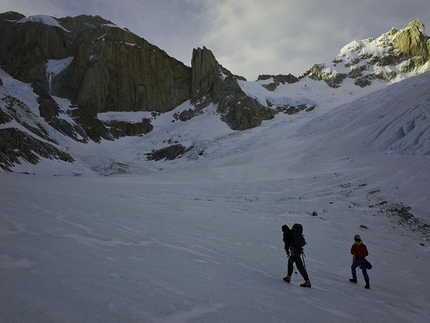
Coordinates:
294 241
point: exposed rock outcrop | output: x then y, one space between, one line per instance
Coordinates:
207 77
26 47
212 83
50 111
412 41
17 146
131 129
169 153
318 73
277 80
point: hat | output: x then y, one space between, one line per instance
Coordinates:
357 237
285 228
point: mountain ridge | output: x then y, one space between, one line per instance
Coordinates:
113 70
387 57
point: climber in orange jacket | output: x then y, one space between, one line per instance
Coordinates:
359 251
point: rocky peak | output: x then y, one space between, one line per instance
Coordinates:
415 24
206 76
26 46
212 83
412 41
83 22
392 56
11 16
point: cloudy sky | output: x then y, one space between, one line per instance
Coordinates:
248 37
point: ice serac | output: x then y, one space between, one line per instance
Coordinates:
212 83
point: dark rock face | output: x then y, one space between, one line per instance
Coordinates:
11 15
25 48
131 129
4 117
212 83
111 69
16 145
185 115
122 72
277 80
169 153
239 110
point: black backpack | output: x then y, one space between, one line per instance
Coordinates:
298 238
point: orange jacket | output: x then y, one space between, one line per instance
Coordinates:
360 251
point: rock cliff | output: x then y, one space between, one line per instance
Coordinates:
97 67
106 68
212 83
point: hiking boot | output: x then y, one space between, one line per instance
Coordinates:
353 280
287 279
307 284
367 285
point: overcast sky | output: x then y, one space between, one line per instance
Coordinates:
248 37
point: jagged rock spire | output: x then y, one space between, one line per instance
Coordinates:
412 41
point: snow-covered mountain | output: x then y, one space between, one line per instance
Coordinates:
198 239
82 86
393 56
187 226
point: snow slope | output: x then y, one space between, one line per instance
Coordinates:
43 19
156 249
199 239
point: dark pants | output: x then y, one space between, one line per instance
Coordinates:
299 263
362 263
